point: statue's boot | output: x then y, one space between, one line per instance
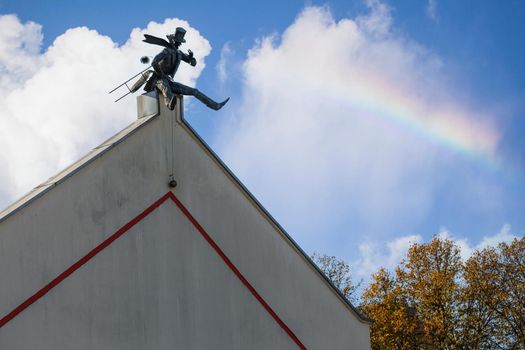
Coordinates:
170 99
209 102
171 102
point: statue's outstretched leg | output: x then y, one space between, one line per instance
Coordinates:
169 97
189 91
208 101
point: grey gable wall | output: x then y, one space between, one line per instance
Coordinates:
47 235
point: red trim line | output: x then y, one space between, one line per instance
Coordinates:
237 273
81 262
57 280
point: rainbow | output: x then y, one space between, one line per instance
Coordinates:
447 126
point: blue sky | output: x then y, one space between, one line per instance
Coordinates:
361 125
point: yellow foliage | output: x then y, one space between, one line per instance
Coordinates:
434 300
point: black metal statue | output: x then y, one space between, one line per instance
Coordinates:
165 65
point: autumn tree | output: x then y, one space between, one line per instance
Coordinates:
481 330
435 300
418 310
429 279
395 322
496 281
338 271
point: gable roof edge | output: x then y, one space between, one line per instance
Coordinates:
72 169
121 136
273 221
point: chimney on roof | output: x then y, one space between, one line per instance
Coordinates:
147 104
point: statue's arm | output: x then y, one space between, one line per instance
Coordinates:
188 58
157 63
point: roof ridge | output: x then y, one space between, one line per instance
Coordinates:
73 168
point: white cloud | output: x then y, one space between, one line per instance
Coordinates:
55 104
431 9
19 51
342 118
467 248
222 65
388 254
374 255
379 20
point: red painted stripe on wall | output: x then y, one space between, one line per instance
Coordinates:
57 280
237 273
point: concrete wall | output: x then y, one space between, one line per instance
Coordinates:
160 285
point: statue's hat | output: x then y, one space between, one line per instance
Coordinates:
178 36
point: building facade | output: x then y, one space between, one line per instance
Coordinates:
106 255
